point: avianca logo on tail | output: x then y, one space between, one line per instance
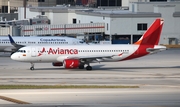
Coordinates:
59 51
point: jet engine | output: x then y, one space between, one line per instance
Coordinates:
57 64
71 63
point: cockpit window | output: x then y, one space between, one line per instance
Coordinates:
21 51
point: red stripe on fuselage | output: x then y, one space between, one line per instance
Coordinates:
141 51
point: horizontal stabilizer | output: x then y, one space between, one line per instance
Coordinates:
155 50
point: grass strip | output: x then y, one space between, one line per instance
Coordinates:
61 86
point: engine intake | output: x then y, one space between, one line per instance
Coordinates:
57 64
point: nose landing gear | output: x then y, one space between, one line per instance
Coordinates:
32 66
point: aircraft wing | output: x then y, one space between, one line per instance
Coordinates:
89 57
96 58
14 43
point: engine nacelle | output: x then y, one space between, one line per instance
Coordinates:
57 64
71 63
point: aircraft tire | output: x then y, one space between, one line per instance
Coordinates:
88 68
32 68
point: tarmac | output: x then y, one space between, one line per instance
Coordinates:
157 75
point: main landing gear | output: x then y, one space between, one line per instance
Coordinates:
32 66
88 68
81 66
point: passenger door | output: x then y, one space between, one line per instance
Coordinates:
33 52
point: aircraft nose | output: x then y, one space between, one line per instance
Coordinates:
14 56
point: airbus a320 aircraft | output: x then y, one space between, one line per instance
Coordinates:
13 44
80 55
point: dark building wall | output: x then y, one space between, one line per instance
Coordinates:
109 2
81 2
10 16
4 9
157 0
60 2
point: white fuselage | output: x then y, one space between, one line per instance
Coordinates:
6 46
59 53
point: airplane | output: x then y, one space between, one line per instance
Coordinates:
77 56
9 44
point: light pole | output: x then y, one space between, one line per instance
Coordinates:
24 4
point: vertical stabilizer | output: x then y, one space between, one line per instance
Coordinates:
152 35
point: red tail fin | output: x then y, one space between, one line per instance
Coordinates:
152 35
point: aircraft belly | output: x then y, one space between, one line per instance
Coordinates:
2 48
7 49
43 59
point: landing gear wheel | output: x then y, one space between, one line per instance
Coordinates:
89 68
32 68
81 66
